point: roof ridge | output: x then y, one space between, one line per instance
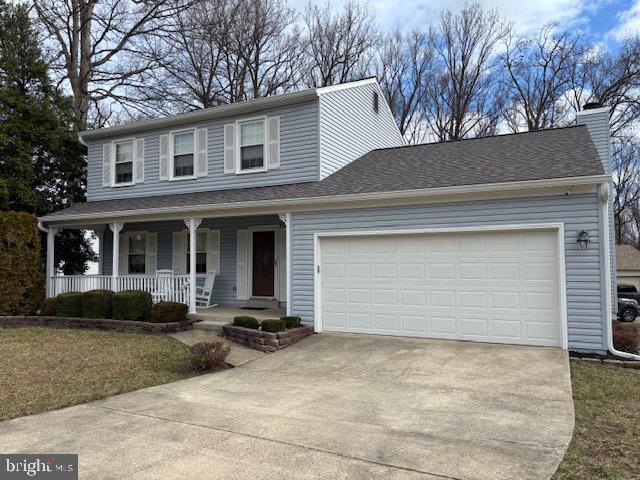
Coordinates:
510 134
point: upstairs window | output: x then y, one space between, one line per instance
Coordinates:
137 253
376 102
183 154
252 145
124 162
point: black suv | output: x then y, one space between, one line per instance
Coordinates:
628 291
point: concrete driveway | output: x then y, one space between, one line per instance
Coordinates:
334 407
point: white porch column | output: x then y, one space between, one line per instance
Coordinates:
192 224
99 232
116 227
51 245
286 219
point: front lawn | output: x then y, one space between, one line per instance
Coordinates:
43 369
606 440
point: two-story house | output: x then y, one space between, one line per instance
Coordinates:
312 200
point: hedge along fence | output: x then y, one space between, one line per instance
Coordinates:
21 276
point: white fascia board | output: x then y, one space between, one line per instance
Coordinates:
291 204
345 86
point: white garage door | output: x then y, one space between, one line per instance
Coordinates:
484 286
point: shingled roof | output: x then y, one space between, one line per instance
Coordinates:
545 154
627 257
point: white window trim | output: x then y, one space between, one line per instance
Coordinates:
186 251
238 146
144 234
172 147
114 148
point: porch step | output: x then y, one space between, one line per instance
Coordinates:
261 303
213 326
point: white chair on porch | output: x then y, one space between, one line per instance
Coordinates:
163 293
204 294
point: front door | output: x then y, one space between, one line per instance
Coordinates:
263 264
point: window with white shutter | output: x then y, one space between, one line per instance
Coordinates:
230 148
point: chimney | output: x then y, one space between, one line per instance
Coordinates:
596 118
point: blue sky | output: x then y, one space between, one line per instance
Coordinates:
607 22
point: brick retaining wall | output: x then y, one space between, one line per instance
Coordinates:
266 341
96 323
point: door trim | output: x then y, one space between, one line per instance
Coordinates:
557 227
276 263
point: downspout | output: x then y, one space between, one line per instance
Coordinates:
604 217
42 228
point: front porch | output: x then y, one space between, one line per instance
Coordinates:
172 259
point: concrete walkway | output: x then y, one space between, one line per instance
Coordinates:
329 407
239 354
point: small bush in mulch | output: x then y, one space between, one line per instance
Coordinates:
69 304
132 305
169 312
97 304
626 340
48 307
273 326
291 322
246 322
209 355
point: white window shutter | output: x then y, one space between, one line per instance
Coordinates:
230 148
213 255
164 157
242 274
138 161
151 254
123 264
179 253
106 164
273 135
201 157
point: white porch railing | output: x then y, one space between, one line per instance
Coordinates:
175 288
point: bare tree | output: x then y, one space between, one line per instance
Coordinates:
462 98
187 61
626 183
221 52
92 44
339 46
404 68
267 46
537 76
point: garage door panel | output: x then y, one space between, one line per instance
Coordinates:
490 286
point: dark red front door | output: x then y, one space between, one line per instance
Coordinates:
263 264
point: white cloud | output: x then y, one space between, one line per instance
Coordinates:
524 15
629 23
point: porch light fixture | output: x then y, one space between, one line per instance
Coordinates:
583 239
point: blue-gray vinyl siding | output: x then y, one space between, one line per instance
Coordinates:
349 127
298 158
584 282
224 292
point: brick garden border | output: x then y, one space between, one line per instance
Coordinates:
95 323
265 341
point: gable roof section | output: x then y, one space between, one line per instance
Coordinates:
543 155
627 257
238 108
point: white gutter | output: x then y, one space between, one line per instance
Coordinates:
604 217
290 203
42 228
